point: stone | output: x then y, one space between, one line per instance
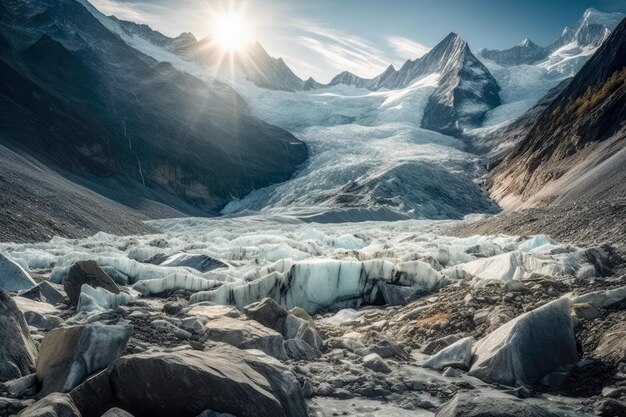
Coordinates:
13 277
585 311
399 295
300 350
12 406
197 261
301 313
436 345
528 347
53 405
117 412
269 313
17 350
211 312
386 349
376 363
457 355
42 321
466 405
308 334
26 385
87 272
249 334
612 344
609 407
186 383
601 299
452 373
45 292
68 355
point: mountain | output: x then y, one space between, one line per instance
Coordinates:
79 100
466 89
268 72
569 51
575 149
180 43
311 84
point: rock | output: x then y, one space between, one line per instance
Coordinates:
528 347
609 407
69 355
466 405
12 406
117 412
269 313
22 386
523 392
186 383
345 343
291 326
211 312
100 299
42 321
17 350
399 295
45 292
612 344
87 272
301 313
452 373
436 345
308 334
248 334
13 277
601 299
376 363
118 277
457 355
211 413
301 351
585 311
53 405
199 262
193 324
386 349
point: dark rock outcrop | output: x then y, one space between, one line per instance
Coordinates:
87 272
17 350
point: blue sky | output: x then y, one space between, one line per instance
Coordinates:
322 37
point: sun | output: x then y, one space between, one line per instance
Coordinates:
232 32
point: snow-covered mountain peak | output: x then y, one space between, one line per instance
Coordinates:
596 17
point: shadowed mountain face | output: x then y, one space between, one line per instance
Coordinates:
77 96
574 149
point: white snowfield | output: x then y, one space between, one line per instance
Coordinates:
316 266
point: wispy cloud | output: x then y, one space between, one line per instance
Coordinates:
406 48
123 10
342 51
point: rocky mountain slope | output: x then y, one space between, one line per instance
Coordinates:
78 97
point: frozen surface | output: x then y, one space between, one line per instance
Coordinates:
317 266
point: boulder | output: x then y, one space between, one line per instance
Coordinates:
601 299
13 277
211 312
249 334
117 412
269 313
53 405
87 272
17 350
68 355
308 334
26 385
301 351
457 355
186 383
436 345
100 299
466 405
528 347
42 321
399 295
45 292
376 363
386 349
199 262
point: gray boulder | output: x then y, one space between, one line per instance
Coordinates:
186 383
87 272
376 363
301 351
45 292
42 321
69 355
528 347
457 355
117 412
465 405
53 405
13 277
17 350
269 313
248 334
612 344
26 385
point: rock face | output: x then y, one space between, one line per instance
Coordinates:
17 351
87 272
248 334
573 150
69 355
528 347
457 355
53 405
45 292
464 405
13 277
186 383
612 345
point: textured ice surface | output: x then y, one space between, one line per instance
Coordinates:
311 265
99 299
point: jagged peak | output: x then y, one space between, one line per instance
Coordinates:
186 35
527 43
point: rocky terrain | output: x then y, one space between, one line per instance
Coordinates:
494 326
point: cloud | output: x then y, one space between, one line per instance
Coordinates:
122 10
406 48
342 51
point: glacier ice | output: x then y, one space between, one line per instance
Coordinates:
13 277
99 299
